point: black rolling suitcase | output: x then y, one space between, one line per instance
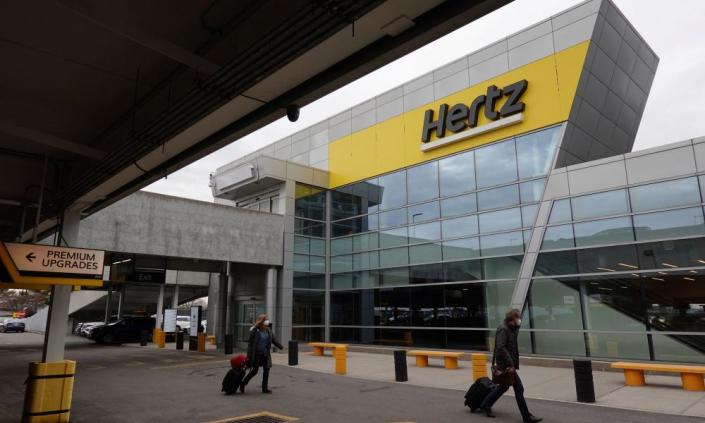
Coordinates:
232 381
477 392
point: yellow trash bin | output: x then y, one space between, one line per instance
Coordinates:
49 392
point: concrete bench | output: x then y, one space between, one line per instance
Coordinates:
691 376
319 347
450 359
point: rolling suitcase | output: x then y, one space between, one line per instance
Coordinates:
232 381
477 392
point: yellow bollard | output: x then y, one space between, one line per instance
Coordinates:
49 392
479 365
211 339
161 339
201 342
155 336
340 354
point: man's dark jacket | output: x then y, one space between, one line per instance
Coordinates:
507 346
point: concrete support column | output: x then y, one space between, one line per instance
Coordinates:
120 300
221 309
230 302
57 319
160 306
108 304
175 298
270 294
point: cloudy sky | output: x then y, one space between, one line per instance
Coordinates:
675 32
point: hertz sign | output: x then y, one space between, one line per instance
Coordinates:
460 117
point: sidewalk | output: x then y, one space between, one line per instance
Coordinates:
662 394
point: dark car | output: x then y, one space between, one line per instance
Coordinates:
13 326
128 329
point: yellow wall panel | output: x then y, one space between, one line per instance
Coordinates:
396 142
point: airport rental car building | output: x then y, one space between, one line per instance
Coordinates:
504 178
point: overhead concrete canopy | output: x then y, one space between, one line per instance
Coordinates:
103 98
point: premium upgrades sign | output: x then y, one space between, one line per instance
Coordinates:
61 262
462 119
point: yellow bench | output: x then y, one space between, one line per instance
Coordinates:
450 359
691 376
319 347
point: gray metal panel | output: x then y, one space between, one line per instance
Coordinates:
390 109
418 83
663 164
363 120
531 51
700 156
418 98
595 178
451 84
529 34
574 33
340 130
450 69
488 52
363 107
489 68
576 13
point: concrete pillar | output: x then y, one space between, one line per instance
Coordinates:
230 302
108 304
120 300
270 294
211 316
175 298
57 319
160 306
221 313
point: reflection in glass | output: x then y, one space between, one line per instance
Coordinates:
459 227
308 307
605 231
528 215
500 220
339 263
608 259
422 182
459 249
459 271
364 242
560 212
601 204
425 232
558 237
669 224
394 257
425 253
423 212
457 173
556 263
498 197
455 206
392 190
499 244
496 164
535 152
392 218
672 254
532 191
501 267
393 237
662 195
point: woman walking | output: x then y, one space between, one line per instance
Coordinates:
259 349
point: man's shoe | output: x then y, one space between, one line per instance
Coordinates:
488 411
533 419
242 388
266 391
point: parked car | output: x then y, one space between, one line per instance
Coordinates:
128 329
87 327
3 320
183 323
13 326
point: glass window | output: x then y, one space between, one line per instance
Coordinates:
341 246
422 182
683 348
555 304
680 192
498 197
394 277
535 152
344 204
459 271
455 206
560 212
318 246
423 212
457 173
340 264
309 280
310 202
426 273
459 227
354 226
496 164
459 249
532 191
672 254
301 245
614 303
558 237
428 308
309 228
425 253
364 261
317 264
502 267
364 242
675 302
528 215
605 231
392 218
301 263
500 244
393 238
556 263
392 190
308 308
601 204
394 257
610 259
669 224
500 220
425 232
392 307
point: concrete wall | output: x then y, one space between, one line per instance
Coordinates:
147 223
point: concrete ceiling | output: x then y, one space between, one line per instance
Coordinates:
102 98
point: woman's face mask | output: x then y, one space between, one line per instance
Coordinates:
267 322
518 322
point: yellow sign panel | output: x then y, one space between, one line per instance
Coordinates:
396 142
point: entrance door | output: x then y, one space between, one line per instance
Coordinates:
246 312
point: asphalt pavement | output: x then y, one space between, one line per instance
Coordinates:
133 384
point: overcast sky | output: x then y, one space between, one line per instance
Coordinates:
675 30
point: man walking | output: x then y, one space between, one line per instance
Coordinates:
507 358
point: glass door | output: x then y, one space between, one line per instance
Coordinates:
245 314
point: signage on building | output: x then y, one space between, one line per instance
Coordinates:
195 321
170 320
462 119
33 266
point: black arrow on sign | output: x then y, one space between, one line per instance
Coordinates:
30 257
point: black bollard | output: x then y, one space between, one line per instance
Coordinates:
584 385
192 343
144 338
293 353
400 374
228 347
179 340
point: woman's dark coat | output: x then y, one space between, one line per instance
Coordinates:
252 345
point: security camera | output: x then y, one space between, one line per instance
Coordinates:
292 112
